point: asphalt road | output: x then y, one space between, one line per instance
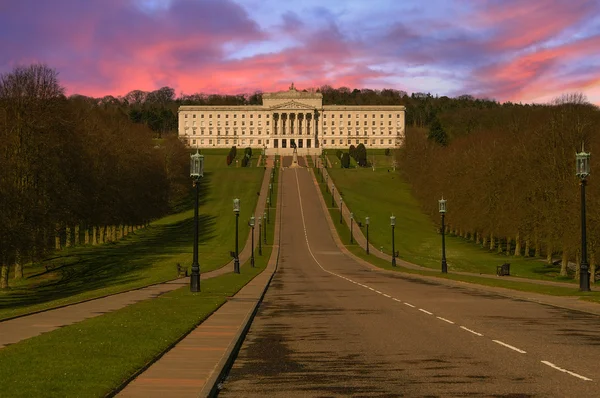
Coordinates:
330 327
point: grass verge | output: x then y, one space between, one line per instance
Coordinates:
93 357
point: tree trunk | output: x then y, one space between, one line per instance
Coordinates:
4 276
500 246
68 236
527 247
564 263
113 233
492 242
86 236
577 265
538 248
518 245
485 241
94 235
76 235
101 234
549 252
18 266
477 238
592 267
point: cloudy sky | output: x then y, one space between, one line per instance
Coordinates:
508 50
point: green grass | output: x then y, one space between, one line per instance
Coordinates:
93 357
150 255
417 239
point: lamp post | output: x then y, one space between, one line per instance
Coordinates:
332 196
265 225
259 236
252 255
236 261
268 210
196 172
393 224
326 182
367 221
442 203
583 171
272 175
270 190
351 226
341 219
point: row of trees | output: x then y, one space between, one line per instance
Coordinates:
74 169
510 181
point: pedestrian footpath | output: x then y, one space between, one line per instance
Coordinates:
195 366
557 301
21 328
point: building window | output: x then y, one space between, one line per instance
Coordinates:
259 142
267 122
324 142
210 142
186 115
218 116
202 141
243 116
381 142
308 143
202 116
365 122
259 116
193 116
194 142
210 116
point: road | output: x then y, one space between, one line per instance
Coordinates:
328 326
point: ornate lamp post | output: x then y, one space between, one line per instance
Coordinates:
272 175
268 210
351 226
265 225
332 196
326 181
367 221
236 210
442 203
270 190
583 171
259 236
341 200
393 224
196 172
251 223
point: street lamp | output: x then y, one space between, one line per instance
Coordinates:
251 223
270 190
236 210
583 171
196 172
265 225
393 224
272 175
442 203
259 235
367 221
341 200
332 196
326 181
268 210
351 226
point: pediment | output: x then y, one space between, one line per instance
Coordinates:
292 106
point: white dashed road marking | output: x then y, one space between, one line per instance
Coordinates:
471 331
425 311
410 305
566 371
444 319
510 346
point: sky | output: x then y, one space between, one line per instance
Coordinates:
507 50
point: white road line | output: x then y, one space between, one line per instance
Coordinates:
387 295
395 299
445 320
472 331
425 311
376 291
410 305
566 371
510 346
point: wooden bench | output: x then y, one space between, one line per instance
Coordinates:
181 271
503 270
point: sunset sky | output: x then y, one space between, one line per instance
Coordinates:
508 50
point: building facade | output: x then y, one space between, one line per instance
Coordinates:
292 118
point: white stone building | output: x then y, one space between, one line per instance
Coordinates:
289 118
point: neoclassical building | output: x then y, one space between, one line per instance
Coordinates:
288 118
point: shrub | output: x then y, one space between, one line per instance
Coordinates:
361 155
338 153
345 160
352 151
229 159
388 152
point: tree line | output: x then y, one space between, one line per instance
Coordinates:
75 171
509 178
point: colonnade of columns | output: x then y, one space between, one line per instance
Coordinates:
294 123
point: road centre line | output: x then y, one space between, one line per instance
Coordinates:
410 305
566 371
509 346
445 320
425 311
471 331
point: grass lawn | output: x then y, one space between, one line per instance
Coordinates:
150 255
93 357
381 193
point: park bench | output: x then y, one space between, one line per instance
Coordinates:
503 270
181 271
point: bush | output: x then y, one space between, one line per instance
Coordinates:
231 155
352 151
338 153
229 159
361 155
388 152
345 160
248 152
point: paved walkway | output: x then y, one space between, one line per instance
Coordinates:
17 329
196 364
558 301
